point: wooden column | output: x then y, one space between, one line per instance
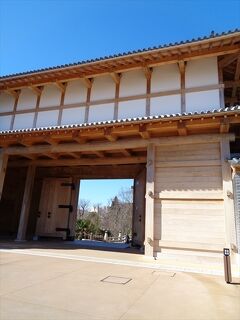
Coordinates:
228 193
149 208
182 67
221 90
22 228
3 168
74 203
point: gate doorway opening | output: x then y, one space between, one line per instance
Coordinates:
105 213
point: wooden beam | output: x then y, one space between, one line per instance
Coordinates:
61 86
182 130
37 90
224 126
236 77
227 60
22 228
149 204
143 132
227 193
116 77
182 67
109 135
116 145
79 162
87 82
3 169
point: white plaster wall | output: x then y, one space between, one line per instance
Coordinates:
165 78
132 109
133 83
101 112
73 115
27 100
6 102
23 121
202 101
76 92
47 118
201 72
165 105
5 122
103 88
51 96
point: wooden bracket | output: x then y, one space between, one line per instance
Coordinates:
36 90
88 82
148 72
143 132
182 130
61 85
116 77
13 93
109 135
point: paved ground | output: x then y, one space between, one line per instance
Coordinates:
37 284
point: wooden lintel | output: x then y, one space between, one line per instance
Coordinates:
116 145
182 130
224 126
87 82
116 77
80 162
36 90
148 72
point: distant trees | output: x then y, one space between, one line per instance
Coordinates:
115 217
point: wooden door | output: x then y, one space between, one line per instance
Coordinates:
54 207
139 209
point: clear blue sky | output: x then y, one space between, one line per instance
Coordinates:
36 34
101 191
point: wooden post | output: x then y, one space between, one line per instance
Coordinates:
228 193
22 228
74 203
149 208
3 168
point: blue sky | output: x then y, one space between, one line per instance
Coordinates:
101 191
36 34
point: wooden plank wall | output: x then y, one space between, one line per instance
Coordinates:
189 206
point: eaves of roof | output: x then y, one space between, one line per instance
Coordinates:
166 117
129 53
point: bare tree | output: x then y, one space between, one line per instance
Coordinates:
84 206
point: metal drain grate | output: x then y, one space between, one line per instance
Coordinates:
116 280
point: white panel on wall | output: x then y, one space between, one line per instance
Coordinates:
165 105
76 92
202 101
101 112
73 115
133 83
27 100
201 72
23 121
165 78
5 122
51 96
47 118
103 88
132 109
6 102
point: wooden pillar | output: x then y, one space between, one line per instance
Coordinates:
228 193
149 208
74 203
22 228
3 168
182 69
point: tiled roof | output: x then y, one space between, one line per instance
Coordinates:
168 45
129 120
